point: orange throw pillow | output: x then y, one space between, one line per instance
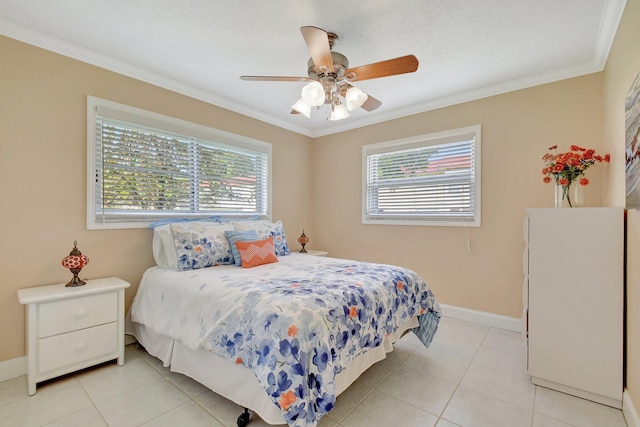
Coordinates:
257 252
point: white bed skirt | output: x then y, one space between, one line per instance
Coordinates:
237 383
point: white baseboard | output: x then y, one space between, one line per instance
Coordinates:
13 368
483 317
629 411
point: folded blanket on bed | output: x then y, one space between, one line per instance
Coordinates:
296 323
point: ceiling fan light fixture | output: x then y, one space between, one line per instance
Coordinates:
338 112
302 107
355 98
313 94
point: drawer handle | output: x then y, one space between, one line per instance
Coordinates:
81 313
81 346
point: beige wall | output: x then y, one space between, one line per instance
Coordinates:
42 163
622 68
43 170
517 129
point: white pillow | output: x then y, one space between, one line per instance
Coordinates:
164 251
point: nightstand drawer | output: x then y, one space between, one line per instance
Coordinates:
58 317
73 347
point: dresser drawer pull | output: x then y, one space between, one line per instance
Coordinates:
81 346
81 313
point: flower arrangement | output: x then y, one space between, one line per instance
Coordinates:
566 168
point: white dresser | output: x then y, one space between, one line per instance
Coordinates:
574 301
71 328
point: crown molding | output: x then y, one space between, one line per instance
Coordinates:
611 16
467 96
56 45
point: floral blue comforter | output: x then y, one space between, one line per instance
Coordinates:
296 323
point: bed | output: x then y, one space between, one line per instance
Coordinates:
283 338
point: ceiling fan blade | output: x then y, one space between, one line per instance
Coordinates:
371 104
390 67
275 79
318 43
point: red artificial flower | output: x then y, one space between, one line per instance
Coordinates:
565 168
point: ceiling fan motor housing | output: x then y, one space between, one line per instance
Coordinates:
340 63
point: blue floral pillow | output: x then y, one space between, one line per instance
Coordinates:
280 241
265 229
200 246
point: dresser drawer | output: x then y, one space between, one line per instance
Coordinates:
66 349
58 317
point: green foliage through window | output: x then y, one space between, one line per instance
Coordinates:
144 174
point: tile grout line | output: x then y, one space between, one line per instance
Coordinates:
190 398
461 378
533 409
95 407
252 416
374 388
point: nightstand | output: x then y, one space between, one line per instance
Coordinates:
314 253
71 328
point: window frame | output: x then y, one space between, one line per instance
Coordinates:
211 136
449 136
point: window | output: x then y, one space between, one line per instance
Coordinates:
426 180
144 167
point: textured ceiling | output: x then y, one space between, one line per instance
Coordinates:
467 49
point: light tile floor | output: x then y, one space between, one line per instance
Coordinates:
472 375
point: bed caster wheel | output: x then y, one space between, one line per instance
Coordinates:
244 418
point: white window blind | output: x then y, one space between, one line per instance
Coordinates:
428 180
146 173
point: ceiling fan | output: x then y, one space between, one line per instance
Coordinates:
330 77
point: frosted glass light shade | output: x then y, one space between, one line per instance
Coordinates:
313 94
302 107
338 112
355 98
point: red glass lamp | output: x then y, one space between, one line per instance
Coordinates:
74 262
303 240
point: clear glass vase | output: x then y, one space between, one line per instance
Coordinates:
569 196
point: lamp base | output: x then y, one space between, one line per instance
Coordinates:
75 281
